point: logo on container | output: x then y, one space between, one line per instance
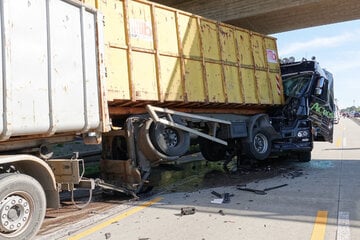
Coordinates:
271 56
141 29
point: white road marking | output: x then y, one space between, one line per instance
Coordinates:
343 229
344 142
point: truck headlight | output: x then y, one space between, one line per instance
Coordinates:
303 134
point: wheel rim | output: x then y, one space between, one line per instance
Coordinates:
170 137
260 143
15 211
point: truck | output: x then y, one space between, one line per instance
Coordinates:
143 80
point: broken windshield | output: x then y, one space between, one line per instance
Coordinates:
296 85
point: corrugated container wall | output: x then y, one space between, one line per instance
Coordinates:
49 65
162 55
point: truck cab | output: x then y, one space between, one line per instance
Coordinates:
312 87
308 112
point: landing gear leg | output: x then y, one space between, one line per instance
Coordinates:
228 159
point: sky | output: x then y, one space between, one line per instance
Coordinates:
336 48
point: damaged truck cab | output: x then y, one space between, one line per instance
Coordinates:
308 112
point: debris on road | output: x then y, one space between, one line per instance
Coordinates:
260 192
222 198
226 198
275 187
257 191
216 194
221 212
217 201
294 174
187 211
229 221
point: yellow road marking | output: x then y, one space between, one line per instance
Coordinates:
115 219
339 142
320 226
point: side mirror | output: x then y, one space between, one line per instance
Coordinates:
319 86
318 91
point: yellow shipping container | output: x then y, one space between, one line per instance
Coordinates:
160 55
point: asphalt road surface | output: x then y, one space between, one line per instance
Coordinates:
317 200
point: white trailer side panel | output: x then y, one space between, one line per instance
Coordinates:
50 68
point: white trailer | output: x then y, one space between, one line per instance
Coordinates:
51 91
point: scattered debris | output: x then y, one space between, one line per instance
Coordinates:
187 211
226 198
217 201
107 235
222 198
221 212
261 192
294 174
276 187
216 194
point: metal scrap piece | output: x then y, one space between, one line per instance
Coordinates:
261 192
187 211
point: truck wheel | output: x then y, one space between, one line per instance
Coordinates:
259 147
304 157
168 140
22 206
211 150
147 146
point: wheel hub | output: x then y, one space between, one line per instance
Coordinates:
170 137
260 143
14 212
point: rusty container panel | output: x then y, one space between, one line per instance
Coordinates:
140 20
167 40
234 86
215 86
210 42
276 86
160 55
194 84
171 79
116 53
144 76
190 36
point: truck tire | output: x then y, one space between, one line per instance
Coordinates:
211 150
147 147
259 146
22 206
170 141
304 157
